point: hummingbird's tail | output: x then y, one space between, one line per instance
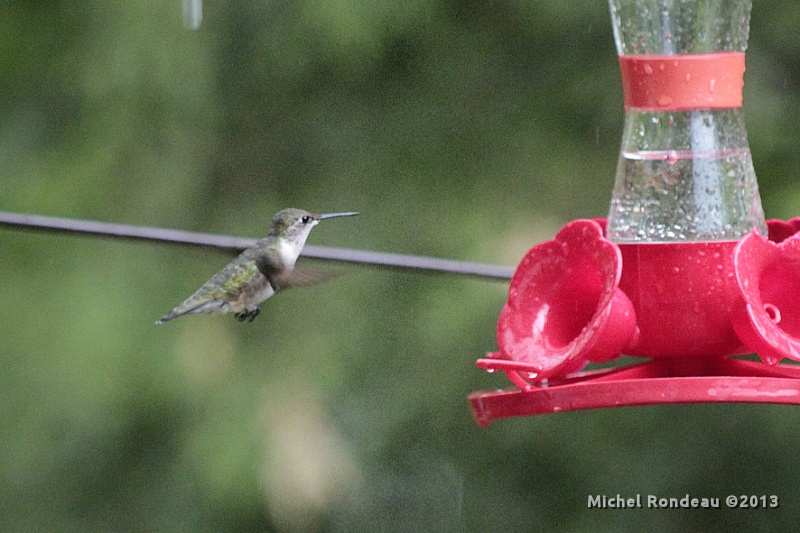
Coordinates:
166 318
191 308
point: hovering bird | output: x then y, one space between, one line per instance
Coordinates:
257 273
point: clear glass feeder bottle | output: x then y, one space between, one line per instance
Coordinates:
685 172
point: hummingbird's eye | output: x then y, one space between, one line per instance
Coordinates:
306 219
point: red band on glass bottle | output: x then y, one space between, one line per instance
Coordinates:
682 82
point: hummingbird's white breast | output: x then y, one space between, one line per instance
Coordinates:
290 248
290 251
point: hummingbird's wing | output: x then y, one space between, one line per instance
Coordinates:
281 278
228 290
307 277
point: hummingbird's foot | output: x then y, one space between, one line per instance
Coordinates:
247 315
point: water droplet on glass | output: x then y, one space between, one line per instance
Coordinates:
711 83
648 69
672 157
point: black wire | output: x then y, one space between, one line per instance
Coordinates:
237 244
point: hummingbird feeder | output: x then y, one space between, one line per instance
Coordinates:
685 271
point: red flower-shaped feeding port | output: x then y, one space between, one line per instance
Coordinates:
564 306
768 274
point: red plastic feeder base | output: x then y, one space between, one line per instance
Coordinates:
686 307
659 381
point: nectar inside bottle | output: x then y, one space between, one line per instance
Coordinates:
684 176
684 173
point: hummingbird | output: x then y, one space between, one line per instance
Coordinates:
258 272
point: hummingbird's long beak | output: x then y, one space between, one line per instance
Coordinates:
332 215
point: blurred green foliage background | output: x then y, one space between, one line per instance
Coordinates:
459 128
